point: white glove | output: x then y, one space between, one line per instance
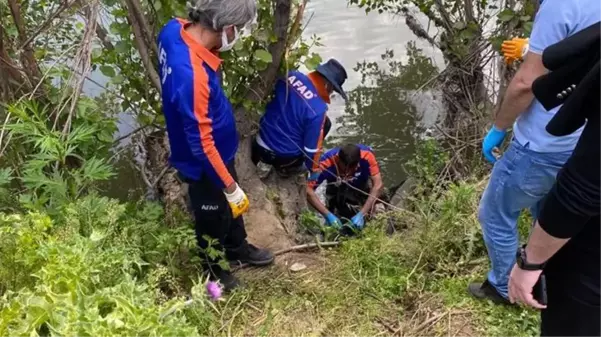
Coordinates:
238 201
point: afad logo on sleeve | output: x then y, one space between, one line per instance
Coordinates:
300 87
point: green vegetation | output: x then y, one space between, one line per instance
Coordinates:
100 267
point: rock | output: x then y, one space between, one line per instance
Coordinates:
404 191
296 267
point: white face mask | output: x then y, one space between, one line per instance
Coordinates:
225 44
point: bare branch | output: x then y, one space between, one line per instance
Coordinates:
64 6
446 19
135 7
83 61
294 30
142 47
469 11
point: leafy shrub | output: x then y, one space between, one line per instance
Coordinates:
96 270
55 167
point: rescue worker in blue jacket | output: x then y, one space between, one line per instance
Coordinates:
294 125
202 129
354 185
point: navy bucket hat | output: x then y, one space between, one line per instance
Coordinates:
334 72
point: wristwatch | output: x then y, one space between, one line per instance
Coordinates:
522 261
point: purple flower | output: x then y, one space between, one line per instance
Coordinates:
214 290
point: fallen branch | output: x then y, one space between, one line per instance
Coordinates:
293 249
428 323
307 245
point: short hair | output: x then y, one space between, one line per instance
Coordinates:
218 14
349 155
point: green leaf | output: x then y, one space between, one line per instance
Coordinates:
97 236
5 176
114 28
122 47
312 62
528 28
96 52
118 79
40 53
263 55
506 15
107 71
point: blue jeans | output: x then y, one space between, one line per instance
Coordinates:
519 180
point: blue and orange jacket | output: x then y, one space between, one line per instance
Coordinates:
199 117
368 167
293 121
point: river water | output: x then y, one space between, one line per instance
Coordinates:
389 105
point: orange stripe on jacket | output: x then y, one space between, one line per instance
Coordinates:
317 154
205 124
374 168
320 84
325 165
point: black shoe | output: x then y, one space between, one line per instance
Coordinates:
250 254
485 290
227 280
291 171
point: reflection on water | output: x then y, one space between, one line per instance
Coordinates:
381 111
350 35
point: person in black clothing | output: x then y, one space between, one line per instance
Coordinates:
567 236
564 243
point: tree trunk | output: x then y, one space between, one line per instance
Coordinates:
12 83
27 56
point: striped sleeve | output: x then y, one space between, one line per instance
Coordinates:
313 142
374 168
324 173
199 127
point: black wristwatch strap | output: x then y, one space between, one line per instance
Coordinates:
522 261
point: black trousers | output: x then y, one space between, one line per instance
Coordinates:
571 310
213 217
280 163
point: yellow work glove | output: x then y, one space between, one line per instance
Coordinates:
514 49
238 201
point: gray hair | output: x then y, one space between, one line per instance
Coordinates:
218 14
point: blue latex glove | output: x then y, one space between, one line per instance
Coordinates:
493 139
358 220
332 220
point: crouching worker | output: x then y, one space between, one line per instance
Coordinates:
353 182
202 129
294 125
